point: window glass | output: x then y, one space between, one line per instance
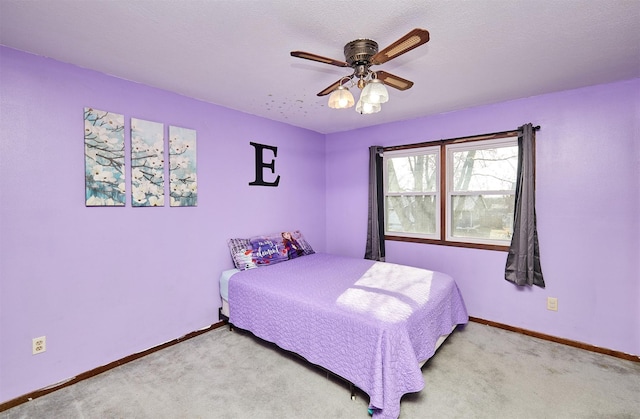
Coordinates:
413 214
485 169
412 173
482 217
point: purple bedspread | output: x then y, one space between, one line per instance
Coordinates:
368 322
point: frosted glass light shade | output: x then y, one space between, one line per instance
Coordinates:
374 92
364 108
341 98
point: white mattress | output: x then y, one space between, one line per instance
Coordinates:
224 289
224 283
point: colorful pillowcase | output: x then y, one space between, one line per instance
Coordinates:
268 249
241 253
297 242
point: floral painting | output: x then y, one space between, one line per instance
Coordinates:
147 163
183 182
104 158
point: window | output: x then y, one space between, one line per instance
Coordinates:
412 192
460 192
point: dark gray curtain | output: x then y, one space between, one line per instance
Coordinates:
523 260
375 224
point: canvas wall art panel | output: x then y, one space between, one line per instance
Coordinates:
183 182
104 168
147 163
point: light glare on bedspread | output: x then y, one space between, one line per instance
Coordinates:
388 291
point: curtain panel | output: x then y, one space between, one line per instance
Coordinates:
375 224
523 261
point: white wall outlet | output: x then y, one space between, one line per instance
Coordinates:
552 303
39 345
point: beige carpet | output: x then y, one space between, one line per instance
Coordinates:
480 372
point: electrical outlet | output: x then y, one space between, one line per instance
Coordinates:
552 303
39 345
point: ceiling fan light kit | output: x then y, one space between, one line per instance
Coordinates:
341 98
365 108
360 55
375 92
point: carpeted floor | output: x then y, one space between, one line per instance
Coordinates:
479 372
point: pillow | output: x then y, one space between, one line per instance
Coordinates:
296 244
268 250
279 247
241 253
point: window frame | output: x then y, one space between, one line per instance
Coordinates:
443 191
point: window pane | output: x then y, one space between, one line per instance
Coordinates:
412 173
492 169
482 216
411 214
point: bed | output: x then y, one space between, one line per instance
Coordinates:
371 323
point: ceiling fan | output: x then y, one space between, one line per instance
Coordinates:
361 54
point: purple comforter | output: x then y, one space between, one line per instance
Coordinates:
368 322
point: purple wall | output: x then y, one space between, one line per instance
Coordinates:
588 206
104 283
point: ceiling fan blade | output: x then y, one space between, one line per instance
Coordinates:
393 81
413 39
334 86
319 58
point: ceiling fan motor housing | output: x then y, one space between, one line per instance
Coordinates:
360 51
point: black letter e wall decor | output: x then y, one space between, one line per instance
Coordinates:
260 165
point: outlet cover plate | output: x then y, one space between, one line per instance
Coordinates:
39 345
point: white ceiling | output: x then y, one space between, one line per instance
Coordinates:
236 53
